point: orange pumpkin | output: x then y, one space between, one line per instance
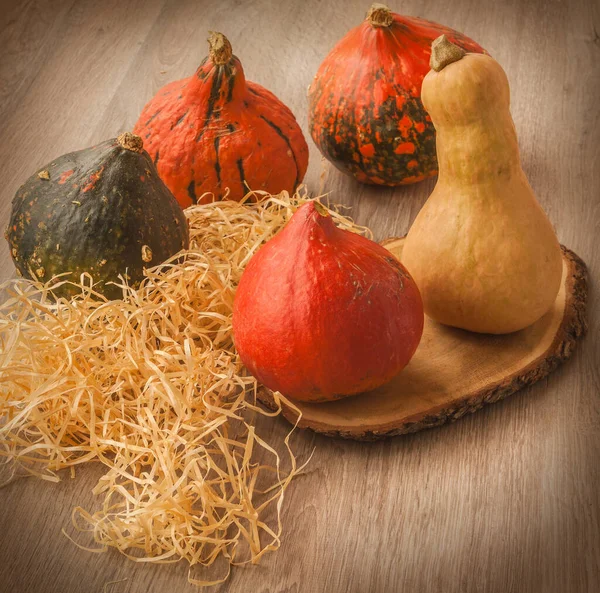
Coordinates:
365 111
215 131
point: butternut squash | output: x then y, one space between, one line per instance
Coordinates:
482 251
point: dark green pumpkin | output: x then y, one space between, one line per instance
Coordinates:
101 210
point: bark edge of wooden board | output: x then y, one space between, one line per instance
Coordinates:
455 372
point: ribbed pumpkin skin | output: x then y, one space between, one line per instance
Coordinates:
102 210
365 111
215 130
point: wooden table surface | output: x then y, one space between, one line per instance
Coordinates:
506 500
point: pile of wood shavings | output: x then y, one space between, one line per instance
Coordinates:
151 386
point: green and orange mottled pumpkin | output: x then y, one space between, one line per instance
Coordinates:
365 111
101 211
216 131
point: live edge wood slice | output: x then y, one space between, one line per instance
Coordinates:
455 372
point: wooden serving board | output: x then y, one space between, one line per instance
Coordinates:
455 372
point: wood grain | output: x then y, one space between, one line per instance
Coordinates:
505 501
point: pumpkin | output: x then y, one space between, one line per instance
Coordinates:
102 210
322 313
365 111
481 250
217 132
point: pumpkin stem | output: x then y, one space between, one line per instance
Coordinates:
380 15
220 51
131 142
444 52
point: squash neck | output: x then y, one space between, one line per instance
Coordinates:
484 153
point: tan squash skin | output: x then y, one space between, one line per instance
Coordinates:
482 251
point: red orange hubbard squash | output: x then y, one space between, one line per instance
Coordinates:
365 111
215 131
321 313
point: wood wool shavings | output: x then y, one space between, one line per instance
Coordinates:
151 386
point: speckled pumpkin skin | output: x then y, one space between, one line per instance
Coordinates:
365 111
215 130
102 210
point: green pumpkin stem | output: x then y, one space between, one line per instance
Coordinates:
131 142
220 51
444 52
380 15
